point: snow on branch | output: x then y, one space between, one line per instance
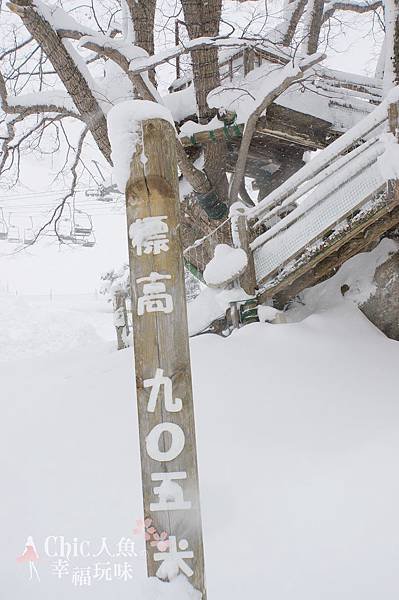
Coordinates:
42 102
139 64
43 22
58 18
32 104
349 5
277 82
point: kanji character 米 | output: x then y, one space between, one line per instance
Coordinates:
173 559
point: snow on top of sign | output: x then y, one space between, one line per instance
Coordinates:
226 265
142 230
124 121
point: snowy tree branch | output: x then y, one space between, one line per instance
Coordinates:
357 7
282 80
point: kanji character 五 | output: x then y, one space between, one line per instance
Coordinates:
169 492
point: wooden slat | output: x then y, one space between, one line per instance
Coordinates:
359 235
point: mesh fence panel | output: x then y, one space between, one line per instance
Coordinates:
324 215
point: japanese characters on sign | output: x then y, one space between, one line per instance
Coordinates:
149 236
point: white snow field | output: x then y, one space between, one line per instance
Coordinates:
298 453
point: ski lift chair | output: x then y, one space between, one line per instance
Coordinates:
3 230
3 226
64 229
29 234
13 234
83 223
89 241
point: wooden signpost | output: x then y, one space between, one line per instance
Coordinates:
162 359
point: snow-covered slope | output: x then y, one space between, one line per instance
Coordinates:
298 449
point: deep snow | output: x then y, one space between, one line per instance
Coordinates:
298 448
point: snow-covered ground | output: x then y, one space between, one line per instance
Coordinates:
298 449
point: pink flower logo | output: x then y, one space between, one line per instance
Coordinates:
151 534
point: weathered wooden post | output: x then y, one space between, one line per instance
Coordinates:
121 319
240 237
393 118
247 280
162 359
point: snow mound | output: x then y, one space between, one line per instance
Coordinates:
227 265
357 274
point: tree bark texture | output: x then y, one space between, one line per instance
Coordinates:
202 18
142 13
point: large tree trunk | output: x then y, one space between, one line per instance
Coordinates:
202 18
142 13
